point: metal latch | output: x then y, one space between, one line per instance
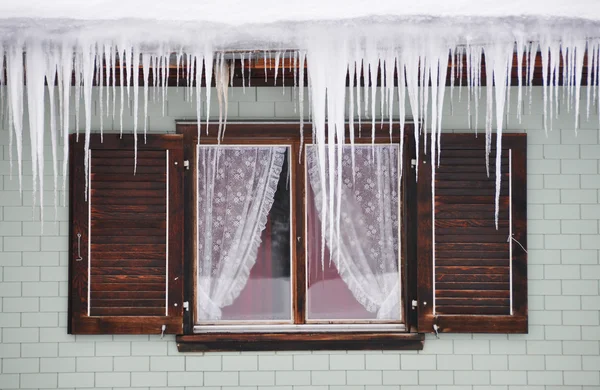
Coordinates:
186 164
186 306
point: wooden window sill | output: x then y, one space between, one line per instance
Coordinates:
207 342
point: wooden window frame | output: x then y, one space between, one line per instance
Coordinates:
459 315
279 338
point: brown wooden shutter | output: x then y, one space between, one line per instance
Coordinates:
473 278
126 252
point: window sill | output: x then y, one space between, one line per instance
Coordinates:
282 341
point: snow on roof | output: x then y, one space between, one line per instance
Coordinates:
268 11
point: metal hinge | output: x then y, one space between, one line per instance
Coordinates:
186 164
414 304
413 162
186 306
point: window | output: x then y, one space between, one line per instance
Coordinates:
228 252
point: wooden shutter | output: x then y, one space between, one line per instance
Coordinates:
471 277
126 252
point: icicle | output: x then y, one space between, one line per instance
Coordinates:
155 66
179 55
135 64
282 73
277 56
520 46
443 72
351 78
533 48
89 54
590 66
553 80
295 70
328 86
99 82
453 71
199 64
113 65
77 59
579 48
412 85
489 71
189 76
221 78
108 68
52 60
243 73
208 74
359 76
66 68
36 72
501 58
544 48
265 64
15 81
165 74
390 63
302 57
122 65
231 67
249 69
401 105
146 60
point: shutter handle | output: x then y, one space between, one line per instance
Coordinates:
79 258
436 329
162 331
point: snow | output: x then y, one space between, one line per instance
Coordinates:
333 37
236 12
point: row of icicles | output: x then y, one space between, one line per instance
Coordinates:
41 69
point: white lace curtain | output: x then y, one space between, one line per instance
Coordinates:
366 250
236 186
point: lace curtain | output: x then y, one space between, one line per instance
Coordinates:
366 250
236 186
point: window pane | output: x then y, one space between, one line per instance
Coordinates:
355 275
243 234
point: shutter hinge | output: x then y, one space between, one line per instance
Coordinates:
413 162
186 305
414 304
186 164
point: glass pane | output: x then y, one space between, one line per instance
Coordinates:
243 234
355 274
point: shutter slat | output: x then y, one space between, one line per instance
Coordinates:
499 310
130 239
100 263
127 238
138 279
129 193
469 263
486 285
126 303
127 177
472 293
128 311
125 224
115 287
103 270
129 185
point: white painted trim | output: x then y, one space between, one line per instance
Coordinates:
510 231
245 328
167 242
89 290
